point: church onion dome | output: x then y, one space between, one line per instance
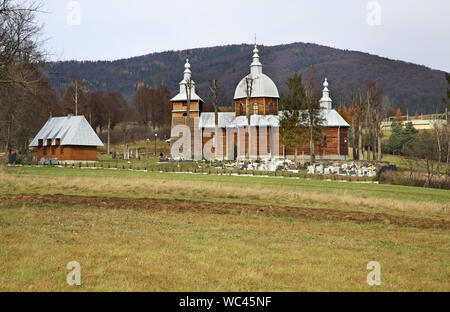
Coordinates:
182 96
263 86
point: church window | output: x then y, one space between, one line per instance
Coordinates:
324 141
271 110
255 108
241 109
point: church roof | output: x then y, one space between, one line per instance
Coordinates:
334 119
70 130
262 85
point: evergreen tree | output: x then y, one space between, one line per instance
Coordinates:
291 104
408 134
394 145
447 99
400 138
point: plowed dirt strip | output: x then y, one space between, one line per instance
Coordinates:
182 206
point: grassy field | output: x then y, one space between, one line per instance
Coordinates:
151 231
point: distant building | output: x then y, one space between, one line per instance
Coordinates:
68 139
235 131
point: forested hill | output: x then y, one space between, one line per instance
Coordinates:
411 86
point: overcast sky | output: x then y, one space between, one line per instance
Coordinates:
416 31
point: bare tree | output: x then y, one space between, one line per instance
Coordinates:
214 94
19 58
360 110
188 87
19 45
249 80
353 111
312 115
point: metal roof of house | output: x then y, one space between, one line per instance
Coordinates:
334 119
230 120
182 97
70 130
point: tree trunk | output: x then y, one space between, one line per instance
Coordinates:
249 124
216 135
109 135
380 154
188 87
353 135
8 140
374 147
311 146
360 149
448 152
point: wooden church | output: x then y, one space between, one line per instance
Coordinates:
235 130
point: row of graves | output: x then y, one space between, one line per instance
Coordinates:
321 168
344 169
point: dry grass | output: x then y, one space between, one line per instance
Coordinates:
134 250
162 186
162 250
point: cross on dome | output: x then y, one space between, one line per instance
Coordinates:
262 85
256 67
187 71
325 101
187 80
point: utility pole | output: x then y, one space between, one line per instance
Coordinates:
156 136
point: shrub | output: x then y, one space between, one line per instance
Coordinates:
418 179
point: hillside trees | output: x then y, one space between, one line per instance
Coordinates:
152 106
346 68
93 109
114 108
447 98
74 100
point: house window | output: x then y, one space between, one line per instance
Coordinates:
184 114
324 141
271 110
40 142
255 108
